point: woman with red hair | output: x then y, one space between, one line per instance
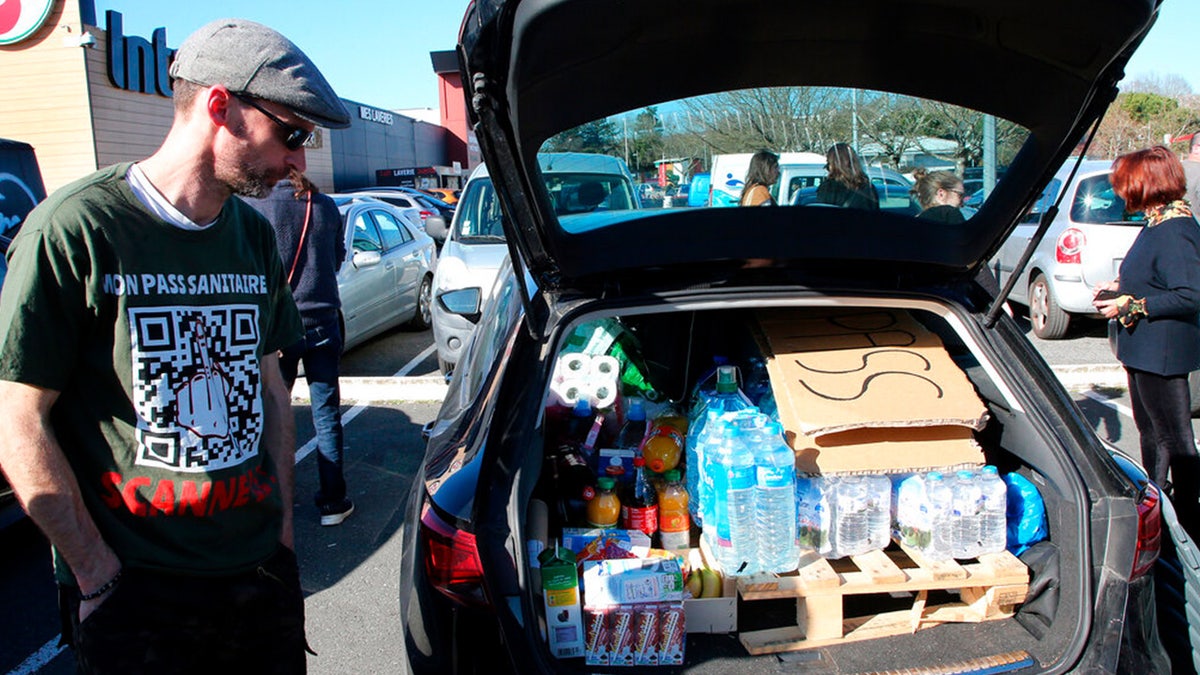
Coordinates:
1156 301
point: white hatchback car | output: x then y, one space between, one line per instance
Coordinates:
475 244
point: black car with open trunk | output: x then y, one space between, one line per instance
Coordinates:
889 310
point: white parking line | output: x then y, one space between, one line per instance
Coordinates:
1123 409
41 657
311 445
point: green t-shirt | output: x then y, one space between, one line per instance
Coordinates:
154 335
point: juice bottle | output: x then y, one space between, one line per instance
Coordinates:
674 526
604 508
663 445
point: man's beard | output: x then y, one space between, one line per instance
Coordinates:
250 181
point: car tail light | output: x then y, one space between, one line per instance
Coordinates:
1149 539
452 560
425 214
1070 245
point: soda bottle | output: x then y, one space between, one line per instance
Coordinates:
674 526
639 511
758 381
604 507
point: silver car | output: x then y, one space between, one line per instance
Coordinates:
387 277
1084 247
475 244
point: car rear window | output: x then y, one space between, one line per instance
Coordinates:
1096 203
892 140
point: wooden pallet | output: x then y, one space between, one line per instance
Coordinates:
989 589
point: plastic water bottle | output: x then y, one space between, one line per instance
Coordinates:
725 400
993 529
964 515
850 517
938 499
879 511
701 433
717 453
741 507
813 515
775 500
914 516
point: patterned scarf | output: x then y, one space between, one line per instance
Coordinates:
1176 209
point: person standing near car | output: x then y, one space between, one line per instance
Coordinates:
1156 301
762 174
312 246
150 435
940 194
846 183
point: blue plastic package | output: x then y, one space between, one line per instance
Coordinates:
1026 514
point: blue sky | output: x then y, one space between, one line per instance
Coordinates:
377 52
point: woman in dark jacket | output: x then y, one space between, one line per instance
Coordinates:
846 184
1157 303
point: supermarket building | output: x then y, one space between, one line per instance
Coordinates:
85 95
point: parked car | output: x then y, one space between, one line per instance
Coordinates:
676 288
408 207
412 200
447 195
387 277
1084 247
475 244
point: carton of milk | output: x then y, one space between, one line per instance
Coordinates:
564 611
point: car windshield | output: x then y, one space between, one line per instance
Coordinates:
845 148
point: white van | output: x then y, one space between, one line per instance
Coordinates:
728 174
474 243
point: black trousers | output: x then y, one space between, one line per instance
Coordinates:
1162 413
154 622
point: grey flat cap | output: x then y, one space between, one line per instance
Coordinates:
249 58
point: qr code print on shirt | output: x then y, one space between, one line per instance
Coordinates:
196 386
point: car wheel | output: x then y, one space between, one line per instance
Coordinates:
424 316
1049 320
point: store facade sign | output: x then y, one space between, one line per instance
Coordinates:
135 64
375 115
21 18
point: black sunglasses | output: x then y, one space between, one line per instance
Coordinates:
295 138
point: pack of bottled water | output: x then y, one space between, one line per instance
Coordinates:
839 516
958 516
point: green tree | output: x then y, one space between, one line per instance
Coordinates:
599 137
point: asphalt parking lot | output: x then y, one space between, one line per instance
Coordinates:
349 573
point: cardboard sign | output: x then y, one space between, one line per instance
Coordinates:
887 450
864 368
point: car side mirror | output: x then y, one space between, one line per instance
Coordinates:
435 226
363 259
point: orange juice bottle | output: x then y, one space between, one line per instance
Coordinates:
604 508
674 526
664 443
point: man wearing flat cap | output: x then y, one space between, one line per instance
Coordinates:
150 436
